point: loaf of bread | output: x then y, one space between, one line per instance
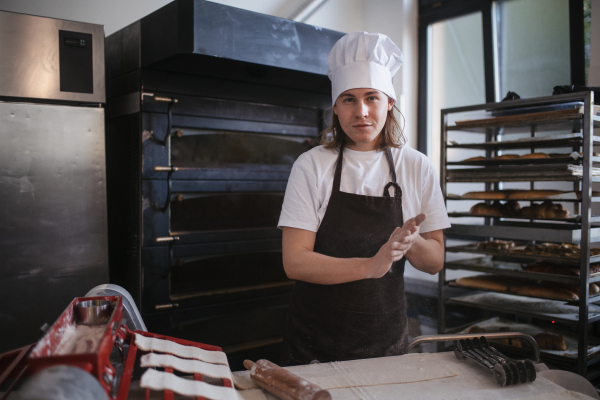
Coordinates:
534 155
547 209
551 341
532 194
489 195
480 158
508 209
485 282
548 292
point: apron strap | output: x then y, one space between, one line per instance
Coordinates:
337 177
394 182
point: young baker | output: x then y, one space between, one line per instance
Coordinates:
355 209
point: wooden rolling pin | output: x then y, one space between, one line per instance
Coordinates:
282 383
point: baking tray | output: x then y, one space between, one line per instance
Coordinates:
551 310
522 161
562 124
507 268
573 219
567 196
569 356
592 298
560 140
472 248
554 172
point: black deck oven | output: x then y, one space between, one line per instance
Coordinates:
208 106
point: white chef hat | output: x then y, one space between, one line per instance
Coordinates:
363 60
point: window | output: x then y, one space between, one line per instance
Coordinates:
474 51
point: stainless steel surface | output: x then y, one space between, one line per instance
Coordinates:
53 213
93 312
29 65
440 338
131 314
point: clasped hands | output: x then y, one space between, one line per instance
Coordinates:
399 243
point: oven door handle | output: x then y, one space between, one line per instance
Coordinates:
170 171
171 102
171 240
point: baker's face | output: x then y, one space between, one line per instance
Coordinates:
362 114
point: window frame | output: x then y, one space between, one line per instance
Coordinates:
431 11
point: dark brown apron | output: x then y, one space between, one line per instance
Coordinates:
360 319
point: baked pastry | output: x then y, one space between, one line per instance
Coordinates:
534 155
515 342
508 209
476 329
495 245
546 267
506 157
551 341
547 209
486 209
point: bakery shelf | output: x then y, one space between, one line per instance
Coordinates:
545 232
516 255
550 310
574 219
557 123
490 265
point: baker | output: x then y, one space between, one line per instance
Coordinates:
345 237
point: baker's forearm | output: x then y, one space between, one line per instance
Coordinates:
306 265
426 254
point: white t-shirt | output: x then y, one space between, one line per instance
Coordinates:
365 173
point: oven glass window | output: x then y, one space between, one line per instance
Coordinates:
226 274
232 210
217 149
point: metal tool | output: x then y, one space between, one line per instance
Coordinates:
506 371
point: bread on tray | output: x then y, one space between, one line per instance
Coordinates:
511 194
525 287
511 208
548 267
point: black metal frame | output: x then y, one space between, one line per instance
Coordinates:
433 11
587 144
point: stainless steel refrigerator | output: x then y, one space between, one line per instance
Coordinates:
53 223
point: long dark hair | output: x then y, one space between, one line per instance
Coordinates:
392 134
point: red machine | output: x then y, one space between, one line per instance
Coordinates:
106 351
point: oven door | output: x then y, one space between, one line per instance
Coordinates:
206 211
181 276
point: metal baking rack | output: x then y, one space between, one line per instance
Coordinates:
572 132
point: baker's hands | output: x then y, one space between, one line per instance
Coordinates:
399 243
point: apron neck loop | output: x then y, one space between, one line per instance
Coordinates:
337 178
394 182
